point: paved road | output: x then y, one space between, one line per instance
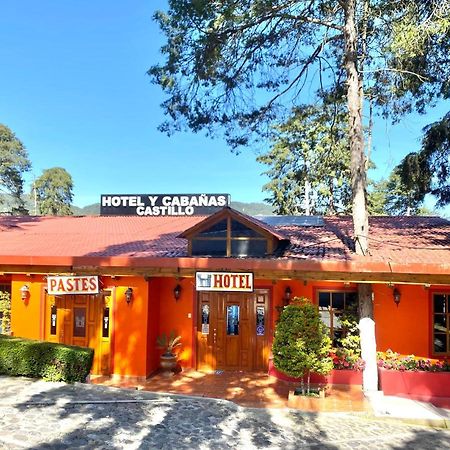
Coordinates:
39 415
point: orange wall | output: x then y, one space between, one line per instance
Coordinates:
153 310
129 322
404 329
26 316
177 315
153 325
129 340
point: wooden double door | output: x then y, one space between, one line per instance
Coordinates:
233 331
83 320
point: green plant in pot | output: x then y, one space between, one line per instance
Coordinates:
168 343
302 343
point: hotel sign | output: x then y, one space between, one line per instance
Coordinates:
162 204
224 281
63 285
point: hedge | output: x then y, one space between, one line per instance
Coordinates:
47 360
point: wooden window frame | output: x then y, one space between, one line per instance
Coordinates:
446 294
229 239
334 291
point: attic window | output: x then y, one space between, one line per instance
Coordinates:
230 237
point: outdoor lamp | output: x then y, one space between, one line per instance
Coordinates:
287 294
397 296
24 292
129 295
177 292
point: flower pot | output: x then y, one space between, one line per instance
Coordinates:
168 363
415 383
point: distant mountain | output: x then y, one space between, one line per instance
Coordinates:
89 210
252 209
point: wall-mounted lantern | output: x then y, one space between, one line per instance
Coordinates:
287 295
129 295
24 292
177 292
397 296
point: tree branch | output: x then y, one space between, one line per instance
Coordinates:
313 56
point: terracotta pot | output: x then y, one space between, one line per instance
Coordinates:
168 362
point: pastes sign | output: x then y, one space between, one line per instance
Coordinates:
162 204
63 285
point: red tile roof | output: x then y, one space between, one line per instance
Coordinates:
397 240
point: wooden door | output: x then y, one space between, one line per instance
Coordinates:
232 331
82 320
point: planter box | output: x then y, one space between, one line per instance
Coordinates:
351 377
410 383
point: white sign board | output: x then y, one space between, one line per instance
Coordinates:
224 281
63 285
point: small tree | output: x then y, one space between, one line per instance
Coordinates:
54 191
5 313
302 343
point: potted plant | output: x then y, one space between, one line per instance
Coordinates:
421 378
168 342
302 344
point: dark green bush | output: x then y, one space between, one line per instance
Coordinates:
37 359
302 342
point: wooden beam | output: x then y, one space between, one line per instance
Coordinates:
148 272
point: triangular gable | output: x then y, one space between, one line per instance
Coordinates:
249 221
231 242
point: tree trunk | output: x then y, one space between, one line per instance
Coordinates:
355 99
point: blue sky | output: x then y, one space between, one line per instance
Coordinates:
74 89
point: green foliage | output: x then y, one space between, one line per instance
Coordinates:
54 192
14 162
347 354
168 342
302 343
310 152
50 361
5 312
237 66
392 197
428 170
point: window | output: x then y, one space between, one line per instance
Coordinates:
53 320
332 305
441 326
5 309
79 322
233 320
229 237
105 325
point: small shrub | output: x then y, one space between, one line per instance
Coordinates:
37 359
302 343
347 353
5 312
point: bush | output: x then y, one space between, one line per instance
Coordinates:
394 361
302 343
5 312
37 359
347 353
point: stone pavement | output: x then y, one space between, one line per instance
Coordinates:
39 415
